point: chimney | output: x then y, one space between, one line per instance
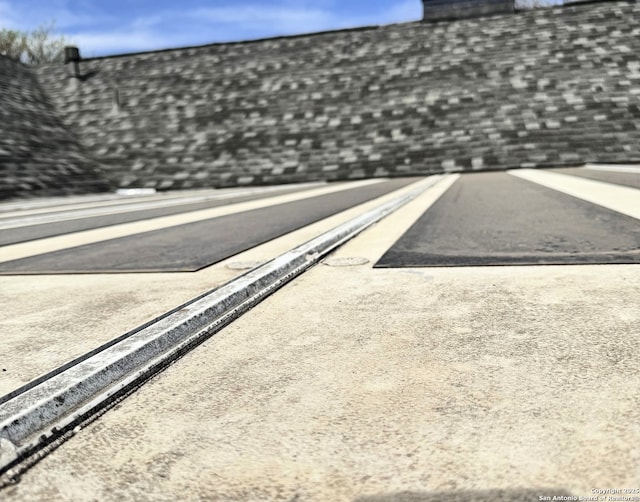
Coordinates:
448 10
72 55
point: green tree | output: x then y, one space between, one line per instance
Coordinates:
38 46
11 43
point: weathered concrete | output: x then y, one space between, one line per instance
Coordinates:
40 332
61 400
354 384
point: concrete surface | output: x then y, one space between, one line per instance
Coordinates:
361 384
48 320
59 402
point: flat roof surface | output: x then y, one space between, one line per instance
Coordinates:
352 382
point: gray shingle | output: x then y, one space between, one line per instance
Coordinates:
548 87
38 154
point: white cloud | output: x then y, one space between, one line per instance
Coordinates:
8 17
98 34
408 10
114 42
30 14
260 18
289 19
65 19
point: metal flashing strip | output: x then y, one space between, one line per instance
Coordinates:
39 415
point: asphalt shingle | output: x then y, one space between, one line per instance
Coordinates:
38 153
554 86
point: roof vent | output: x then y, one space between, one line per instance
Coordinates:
72 55
447 10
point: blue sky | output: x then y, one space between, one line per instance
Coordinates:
101 27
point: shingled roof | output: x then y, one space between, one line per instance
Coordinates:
548 87
38 153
